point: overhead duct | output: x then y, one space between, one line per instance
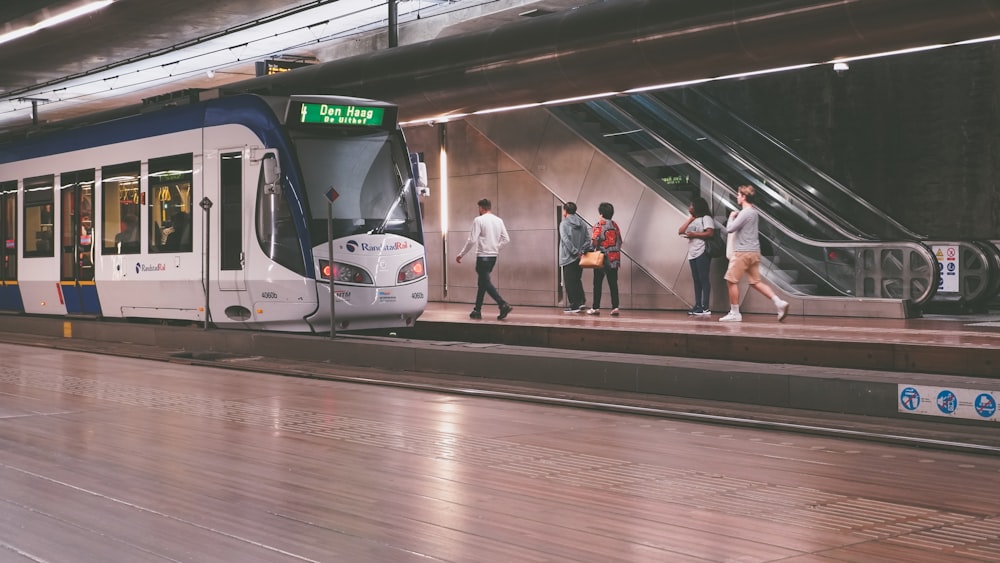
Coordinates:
625 44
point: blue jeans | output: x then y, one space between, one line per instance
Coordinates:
700 267
484 266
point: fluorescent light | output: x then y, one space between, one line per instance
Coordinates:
55 20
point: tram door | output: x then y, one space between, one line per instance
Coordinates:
10 293
231 251
76 276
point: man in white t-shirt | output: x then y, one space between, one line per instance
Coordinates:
488 236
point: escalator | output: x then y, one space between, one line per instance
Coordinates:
969 270
807 253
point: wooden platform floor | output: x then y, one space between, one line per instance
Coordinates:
119 459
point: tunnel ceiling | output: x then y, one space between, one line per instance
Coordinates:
454 57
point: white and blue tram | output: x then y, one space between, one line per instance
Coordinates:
218 210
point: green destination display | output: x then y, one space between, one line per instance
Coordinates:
331 114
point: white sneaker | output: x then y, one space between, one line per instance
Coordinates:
732 317
593 311
782 310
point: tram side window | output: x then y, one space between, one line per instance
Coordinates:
120 217
170 203
39 240
8 230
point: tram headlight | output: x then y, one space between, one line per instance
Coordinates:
344 273
412 271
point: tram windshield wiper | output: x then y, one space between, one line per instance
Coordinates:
380 230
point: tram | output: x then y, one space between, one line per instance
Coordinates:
222 211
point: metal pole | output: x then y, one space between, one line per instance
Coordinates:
329 248
393 24
206 205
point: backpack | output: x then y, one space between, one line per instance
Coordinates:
715 245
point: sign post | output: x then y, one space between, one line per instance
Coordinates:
206 206
331 195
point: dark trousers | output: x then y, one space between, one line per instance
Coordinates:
700 267
612 275
573 279
484 266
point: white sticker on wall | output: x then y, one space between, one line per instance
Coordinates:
948 401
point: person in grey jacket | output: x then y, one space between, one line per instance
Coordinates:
573 236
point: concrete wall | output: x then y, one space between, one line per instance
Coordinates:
546 166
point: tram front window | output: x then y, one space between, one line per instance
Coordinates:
368 177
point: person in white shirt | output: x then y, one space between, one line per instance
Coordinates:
488 236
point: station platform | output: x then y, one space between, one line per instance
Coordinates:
949 345
846 371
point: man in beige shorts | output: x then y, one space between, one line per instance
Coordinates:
743 223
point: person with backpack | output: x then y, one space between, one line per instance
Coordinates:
699 228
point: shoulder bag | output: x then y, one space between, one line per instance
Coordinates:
592 259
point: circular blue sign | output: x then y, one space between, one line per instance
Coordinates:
947 402
910 399
986 405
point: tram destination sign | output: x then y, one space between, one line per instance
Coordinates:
331 114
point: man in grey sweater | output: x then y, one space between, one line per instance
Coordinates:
573 236
746 256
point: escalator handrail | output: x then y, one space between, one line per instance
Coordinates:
914 246
767 176
905 232
703 169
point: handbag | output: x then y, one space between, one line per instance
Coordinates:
592 259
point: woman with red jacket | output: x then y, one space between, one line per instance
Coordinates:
607 238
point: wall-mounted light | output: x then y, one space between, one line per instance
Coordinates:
443 175
443 172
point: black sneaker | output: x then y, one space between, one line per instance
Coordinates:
504 311
475 314
570 310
